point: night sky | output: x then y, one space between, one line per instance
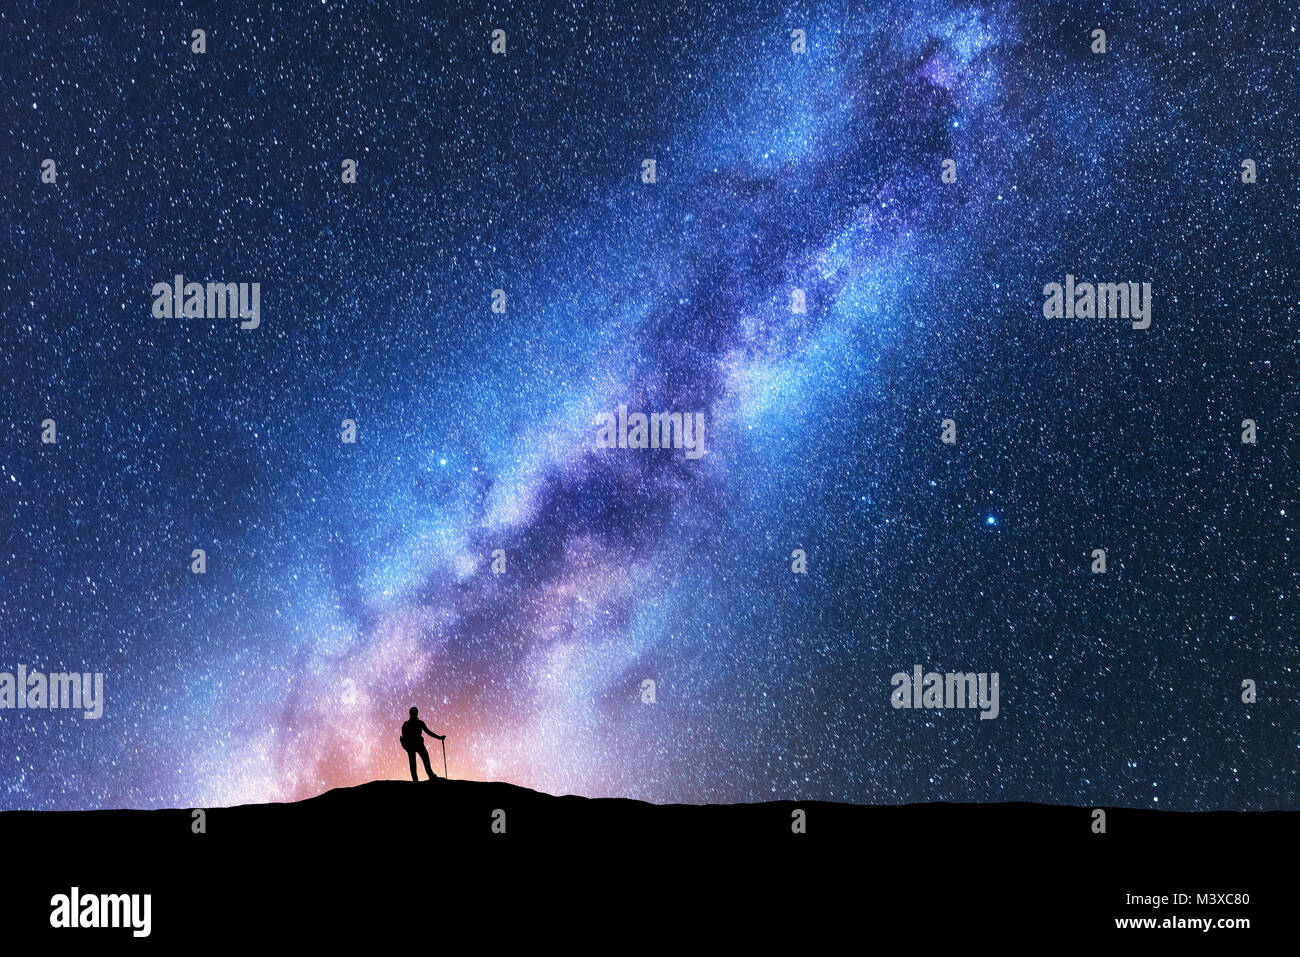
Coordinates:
347 582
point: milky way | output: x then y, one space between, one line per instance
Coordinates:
346 582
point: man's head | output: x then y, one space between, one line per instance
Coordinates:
414 712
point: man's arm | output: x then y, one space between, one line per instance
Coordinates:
430 733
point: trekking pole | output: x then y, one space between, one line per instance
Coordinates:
444 760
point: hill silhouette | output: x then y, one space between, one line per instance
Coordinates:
384 847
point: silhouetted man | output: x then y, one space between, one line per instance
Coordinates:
413 732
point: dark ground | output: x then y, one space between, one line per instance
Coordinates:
392 860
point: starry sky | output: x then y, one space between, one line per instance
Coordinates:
347 582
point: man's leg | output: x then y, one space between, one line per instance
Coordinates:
424 753
411 755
